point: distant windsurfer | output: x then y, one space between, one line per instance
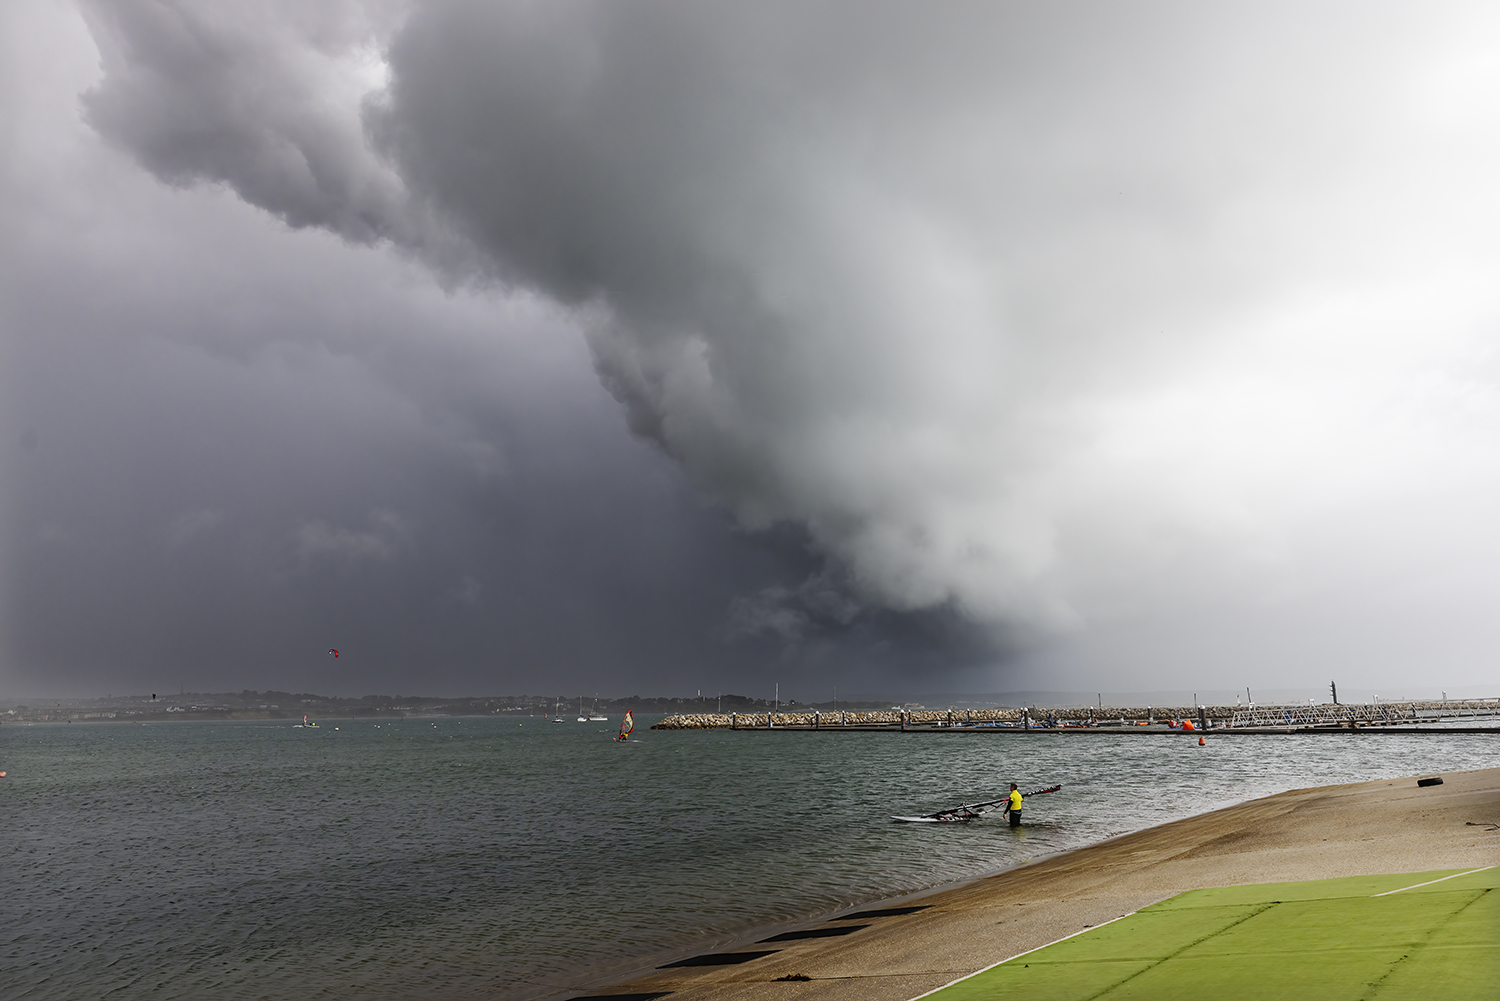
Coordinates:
1013 806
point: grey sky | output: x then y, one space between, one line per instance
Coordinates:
964 345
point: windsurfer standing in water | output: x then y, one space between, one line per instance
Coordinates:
1013 806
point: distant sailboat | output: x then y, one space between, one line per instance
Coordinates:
557 712
581 717
627 725
594 716
298 726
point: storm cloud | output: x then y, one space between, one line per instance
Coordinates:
1084 340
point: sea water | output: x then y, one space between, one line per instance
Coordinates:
518 858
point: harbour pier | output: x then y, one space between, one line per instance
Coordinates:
1453 716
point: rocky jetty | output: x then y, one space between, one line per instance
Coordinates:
1039 717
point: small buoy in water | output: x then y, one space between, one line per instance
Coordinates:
2 775
1200 741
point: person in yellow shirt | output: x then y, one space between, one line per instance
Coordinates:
1013 806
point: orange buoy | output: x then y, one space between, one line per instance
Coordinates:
1200 741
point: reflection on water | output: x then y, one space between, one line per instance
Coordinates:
497 858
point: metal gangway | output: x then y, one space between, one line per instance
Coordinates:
1335 714
1330 714
1459 709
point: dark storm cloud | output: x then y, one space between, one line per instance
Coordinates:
1077 323
230 448
216 514
904 275
250 95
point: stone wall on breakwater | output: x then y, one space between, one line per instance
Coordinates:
937 717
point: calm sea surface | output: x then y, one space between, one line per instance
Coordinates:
517 858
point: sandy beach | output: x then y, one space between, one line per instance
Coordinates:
1364 828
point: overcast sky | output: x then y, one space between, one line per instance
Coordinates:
656 347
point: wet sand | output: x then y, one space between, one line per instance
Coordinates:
1364 828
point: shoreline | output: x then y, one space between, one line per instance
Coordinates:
1362 828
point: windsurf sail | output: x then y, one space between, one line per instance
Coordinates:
627 725
969 811
1036 792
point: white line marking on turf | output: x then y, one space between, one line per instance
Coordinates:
1122 917
1018 955
1471 872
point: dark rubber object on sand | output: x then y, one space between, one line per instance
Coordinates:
720 959
1436 780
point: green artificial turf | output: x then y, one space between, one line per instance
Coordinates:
1328 939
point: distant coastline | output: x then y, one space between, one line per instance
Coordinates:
252 705
698 712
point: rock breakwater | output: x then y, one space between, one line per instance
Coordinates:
1037 717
